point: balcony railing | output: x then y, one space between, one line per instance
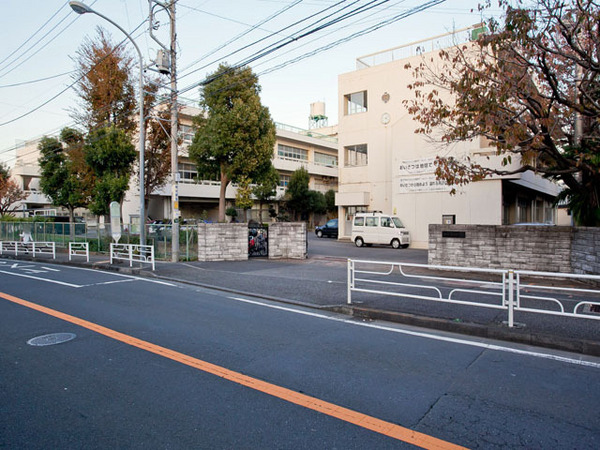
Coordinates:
303 132
430 44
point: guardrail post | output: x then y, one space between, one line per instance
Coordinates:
350 283
511 293
111 253
130 255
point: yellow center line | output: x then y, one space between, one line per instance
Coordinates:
362 420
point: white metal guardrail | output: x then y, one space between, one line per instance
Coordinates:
79 249
32 248
543 292
132 252
569 301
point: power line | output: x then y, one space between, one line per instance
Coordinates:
305 31
37 42
38 80
244 33
264 38
71 85
396 18
31 37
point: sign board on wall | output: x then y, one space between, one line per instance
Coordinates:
418 175
416 166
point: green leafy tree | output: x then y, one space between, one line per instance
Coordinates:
317 202
525 85
110 154
266 188
243 196
64 179
10 193
297 197
330 201
236 134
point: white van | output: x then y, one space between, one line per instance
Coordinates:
377 228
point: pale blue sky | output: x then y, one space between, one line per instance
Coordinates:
40 40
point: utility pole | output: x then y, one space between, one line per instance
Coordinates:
172 70
174 137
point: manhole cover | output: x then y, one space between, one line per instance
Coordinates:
51 339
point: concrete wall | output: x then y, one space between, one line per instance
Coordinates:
287 240
222 242
539 248
229 241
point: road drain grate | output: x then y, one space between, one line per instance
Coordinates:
51 339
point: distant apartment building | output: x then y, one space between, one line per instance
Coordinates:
26 172
294 148
385 166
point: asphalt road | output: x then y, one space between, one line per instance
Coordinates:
328 247
161 365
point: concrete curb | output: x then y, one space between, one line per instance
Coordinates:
499 332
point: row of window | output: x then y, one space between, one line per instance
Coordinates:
186 133
355 155
301 154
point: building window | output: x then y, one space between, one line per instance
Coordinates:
323 159
186 133
355 103
352 210
287 152
284 180
356 155
187 172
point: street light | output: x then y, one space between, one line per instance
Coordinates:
81 8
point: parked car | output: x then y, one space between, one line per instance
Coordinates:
377 228
157 228
330 229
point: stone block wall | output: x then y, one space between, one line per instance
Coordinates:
222 242
538 248
287 240
585 251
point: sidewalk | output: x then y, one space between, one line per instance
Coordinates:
320 282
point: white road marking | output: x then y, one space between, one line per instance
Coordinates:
107 282
164 283
483 345
128 277
41 279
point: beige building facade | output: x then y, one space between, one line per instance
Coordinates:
385 166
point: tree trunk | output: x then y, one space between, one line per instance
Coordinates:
72 223
224 183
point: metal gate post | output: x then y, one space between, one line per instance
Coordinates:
350 283
511 293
